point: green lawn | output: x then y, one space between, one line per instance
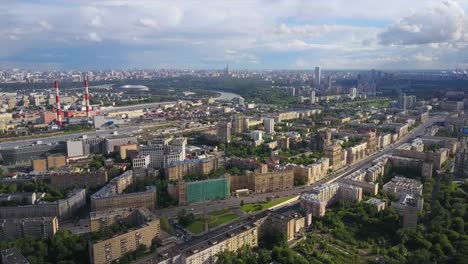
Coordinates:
223 219
196 227
217 218
219 212
260 206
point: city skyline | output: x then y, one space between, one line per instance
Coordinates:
297 35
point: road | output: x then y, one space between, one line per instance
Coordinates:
101 133
134 107
234 202
58 138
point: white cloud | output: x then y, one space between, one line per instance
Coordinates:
45 25
148 22
443 24
247 32
93 37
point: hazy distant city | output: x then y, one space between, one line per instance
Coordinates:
194 139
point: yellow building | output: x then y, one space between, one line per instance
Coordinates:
123 149
207 251
109 250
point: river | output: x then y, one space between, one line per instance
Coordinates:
226 96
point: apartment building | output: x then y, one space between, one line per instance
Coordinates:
37 227
233 240
258 182
313 172
146 229
63 209
178 169
401 186
325 195
78 179
335 155
356 153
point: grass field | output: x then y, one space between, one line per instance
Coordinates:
217 218
260 206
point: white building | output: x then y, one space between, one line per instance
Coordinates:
353 92
256 135
141 161
401 186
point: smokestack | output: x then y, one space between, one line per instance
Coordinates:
57 102
86 99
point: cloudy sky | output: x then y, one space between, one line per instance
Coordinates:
246 34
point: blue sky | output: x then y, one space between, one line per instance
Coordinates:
246 34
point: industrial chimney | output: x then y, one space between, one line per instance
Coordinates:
86 99
57 101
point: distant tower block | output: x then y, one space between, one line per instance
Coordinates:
57 102
86 99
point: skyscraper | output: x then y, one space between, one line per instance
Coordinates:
224 132
269 124
317 77
238 124
312 97
353 92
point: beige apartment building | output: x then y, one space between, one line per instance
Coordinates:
108 250
145 199
206 252
313 172
257 182
177 170
324 195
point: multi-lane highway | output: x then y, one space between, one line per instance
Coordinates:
234 202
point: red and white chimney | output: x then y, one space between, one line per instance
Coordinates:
57 102
86 99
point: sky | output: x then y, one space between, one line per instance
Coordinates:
246 34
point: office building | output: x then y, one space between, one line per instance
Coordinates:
199 191
76 148
123 149
163 151
141 161
111 143
317 77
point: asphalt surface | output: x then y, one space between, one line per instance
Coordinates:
234 202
